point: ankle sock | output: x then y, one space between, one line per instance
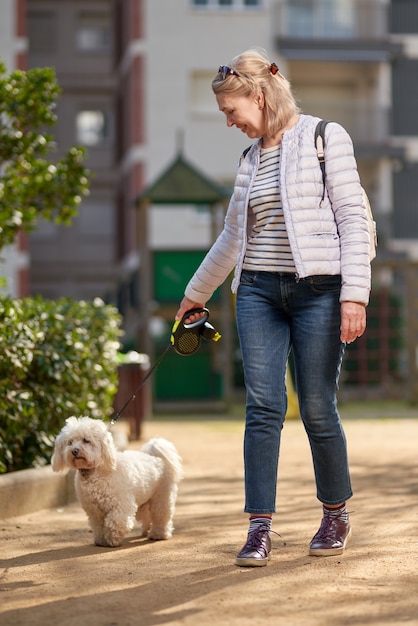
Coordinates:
341 512
255 522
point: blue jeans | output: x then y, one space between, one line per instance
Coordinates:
277 313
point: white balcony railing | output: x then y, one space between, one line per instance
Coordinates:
366 123
330 19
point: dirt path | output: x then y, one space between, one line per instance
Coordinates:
50 573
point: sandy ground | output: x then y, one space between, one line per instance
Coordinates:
51 573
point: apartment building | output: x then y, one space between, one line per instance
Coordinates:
14 261
90 257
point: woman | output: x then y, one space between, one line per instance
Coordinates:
302 276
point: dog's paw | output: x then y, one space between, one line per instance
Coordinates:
108 543
158 534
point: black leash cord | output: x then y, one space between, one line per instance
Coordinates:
143 381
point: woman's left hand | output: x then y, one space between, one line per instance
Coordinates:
353 321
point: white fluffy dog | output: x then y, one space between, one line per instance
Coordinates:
115 488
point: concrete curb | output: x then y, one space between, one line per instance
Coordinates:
30 490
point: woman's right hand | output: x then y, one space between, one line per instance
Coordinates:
185 306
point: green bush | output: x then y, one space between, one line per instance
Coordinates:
57 358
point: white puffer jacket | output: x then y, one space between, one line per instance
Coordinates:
328 238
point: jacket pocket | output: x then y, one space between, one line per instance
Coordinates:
324 283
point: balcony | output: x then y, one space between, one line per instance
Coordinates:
367 124
333 30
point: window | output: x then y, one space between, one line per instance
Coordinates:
201 95
93 32
233 4
42 32
92 127
321 18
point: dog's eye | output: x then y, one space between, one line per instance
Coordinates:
70 442
86 440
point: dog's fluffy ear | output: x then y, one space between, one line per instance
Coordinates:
108 452
58 463
58 460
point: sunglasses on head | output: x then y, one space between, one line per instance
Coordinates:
225 70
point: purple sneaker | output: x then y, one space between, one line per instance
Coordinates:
331 538
257 549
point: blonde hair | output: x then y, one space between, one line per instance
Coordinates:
257 74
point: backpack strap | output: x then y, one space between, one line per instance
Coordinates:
320 150
244 154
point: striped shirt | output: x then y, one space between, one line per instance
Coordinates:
268 247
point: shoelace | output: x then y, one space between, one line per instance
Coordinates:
255 539
327 526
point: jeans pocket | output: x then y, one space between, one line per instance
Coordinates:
248 278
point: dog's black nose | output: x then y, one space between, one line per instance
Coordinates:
75 451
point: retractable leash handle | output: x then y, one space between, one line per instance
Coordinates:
185 339
185 336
